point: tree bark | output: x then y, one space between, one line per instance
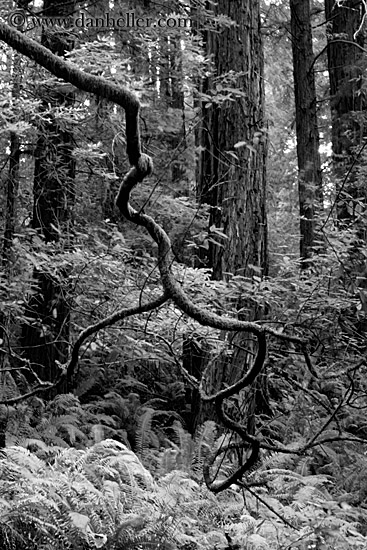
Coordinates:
12 188
309 164
347 65
233 145
231 177
46 338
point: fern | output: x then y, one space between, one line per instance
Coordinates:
145 436
104 497
187 453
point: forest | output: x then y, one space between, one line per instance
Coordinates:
183 275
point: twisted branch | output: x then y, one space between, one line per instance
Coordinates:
67 371
218 398
141 167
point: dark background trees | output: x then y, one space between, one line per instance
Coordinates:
45 335
346 67
307 132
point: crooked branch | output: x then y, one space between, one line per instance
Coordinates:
141 167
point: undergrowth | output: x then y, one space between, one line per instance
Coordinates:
103 497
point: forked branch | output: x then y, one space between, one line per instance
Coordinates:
141 167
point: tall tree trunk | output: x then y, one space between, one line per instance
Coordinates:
347 66
12 186
309 165
46 339
175 100
12 182
232 174
232 163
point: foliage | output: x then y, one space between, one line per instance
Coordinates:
103 497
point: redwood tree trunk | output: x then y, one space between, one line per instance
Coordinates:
232 163
46 338
309 165
12 186
232 176
347 66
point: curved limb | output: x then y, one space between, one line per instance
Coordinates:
142 166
